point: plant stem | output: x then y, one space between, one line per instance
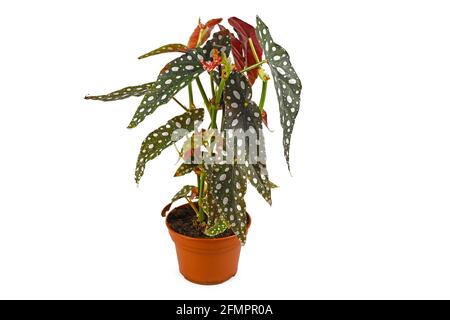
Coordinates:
213 124
191 96
262 99
219 92
252 46
180 104
256 65
201 189
211 80
193 206
261 73
216 104
222 122
202 91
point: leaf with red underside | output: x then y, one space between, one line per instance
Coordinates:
202 28
244 32
238 53
264 120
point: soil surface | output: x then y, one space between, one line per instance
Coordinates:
184 220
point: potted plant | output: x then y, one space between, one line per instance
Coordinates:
227 153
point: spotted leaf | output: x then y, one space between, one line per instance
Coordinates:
219 227
220 42
258 176
287 82
164 136
124 93
245 139
225 197
184 192
185 168
177 74
173 47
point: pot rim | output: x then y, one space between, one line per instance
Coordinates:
249 222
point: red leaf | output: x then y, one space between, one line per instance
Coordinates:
194 193
244 32
205 29
264 120
165 209
238 53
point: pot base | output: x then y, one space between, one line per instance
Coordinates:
207 283
206 261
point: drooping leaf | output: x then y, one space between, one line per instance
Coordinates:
243 122
173 47
124 93
184 192
246 31
219 227
225 197
185 168
178 74
258 176
205 30
286 80
165 136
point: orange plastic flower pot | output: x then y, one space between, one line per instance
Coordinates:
207 260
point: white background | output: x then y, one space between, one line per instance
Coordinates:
365 214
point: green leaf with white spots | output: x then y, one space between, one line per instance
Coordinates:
245 139
258 176
173 47
184 192
164 136
176 75
287 82
124 93
185 168
273 185
225 197
220 41
219 227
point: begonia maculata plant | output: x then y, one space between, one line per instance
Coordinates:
229 151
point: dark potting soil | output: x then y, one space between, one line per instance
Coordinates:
184 220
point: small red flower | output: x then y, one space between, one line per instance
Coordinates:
215 62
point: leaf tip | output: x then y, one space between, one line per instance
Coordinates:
289 169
